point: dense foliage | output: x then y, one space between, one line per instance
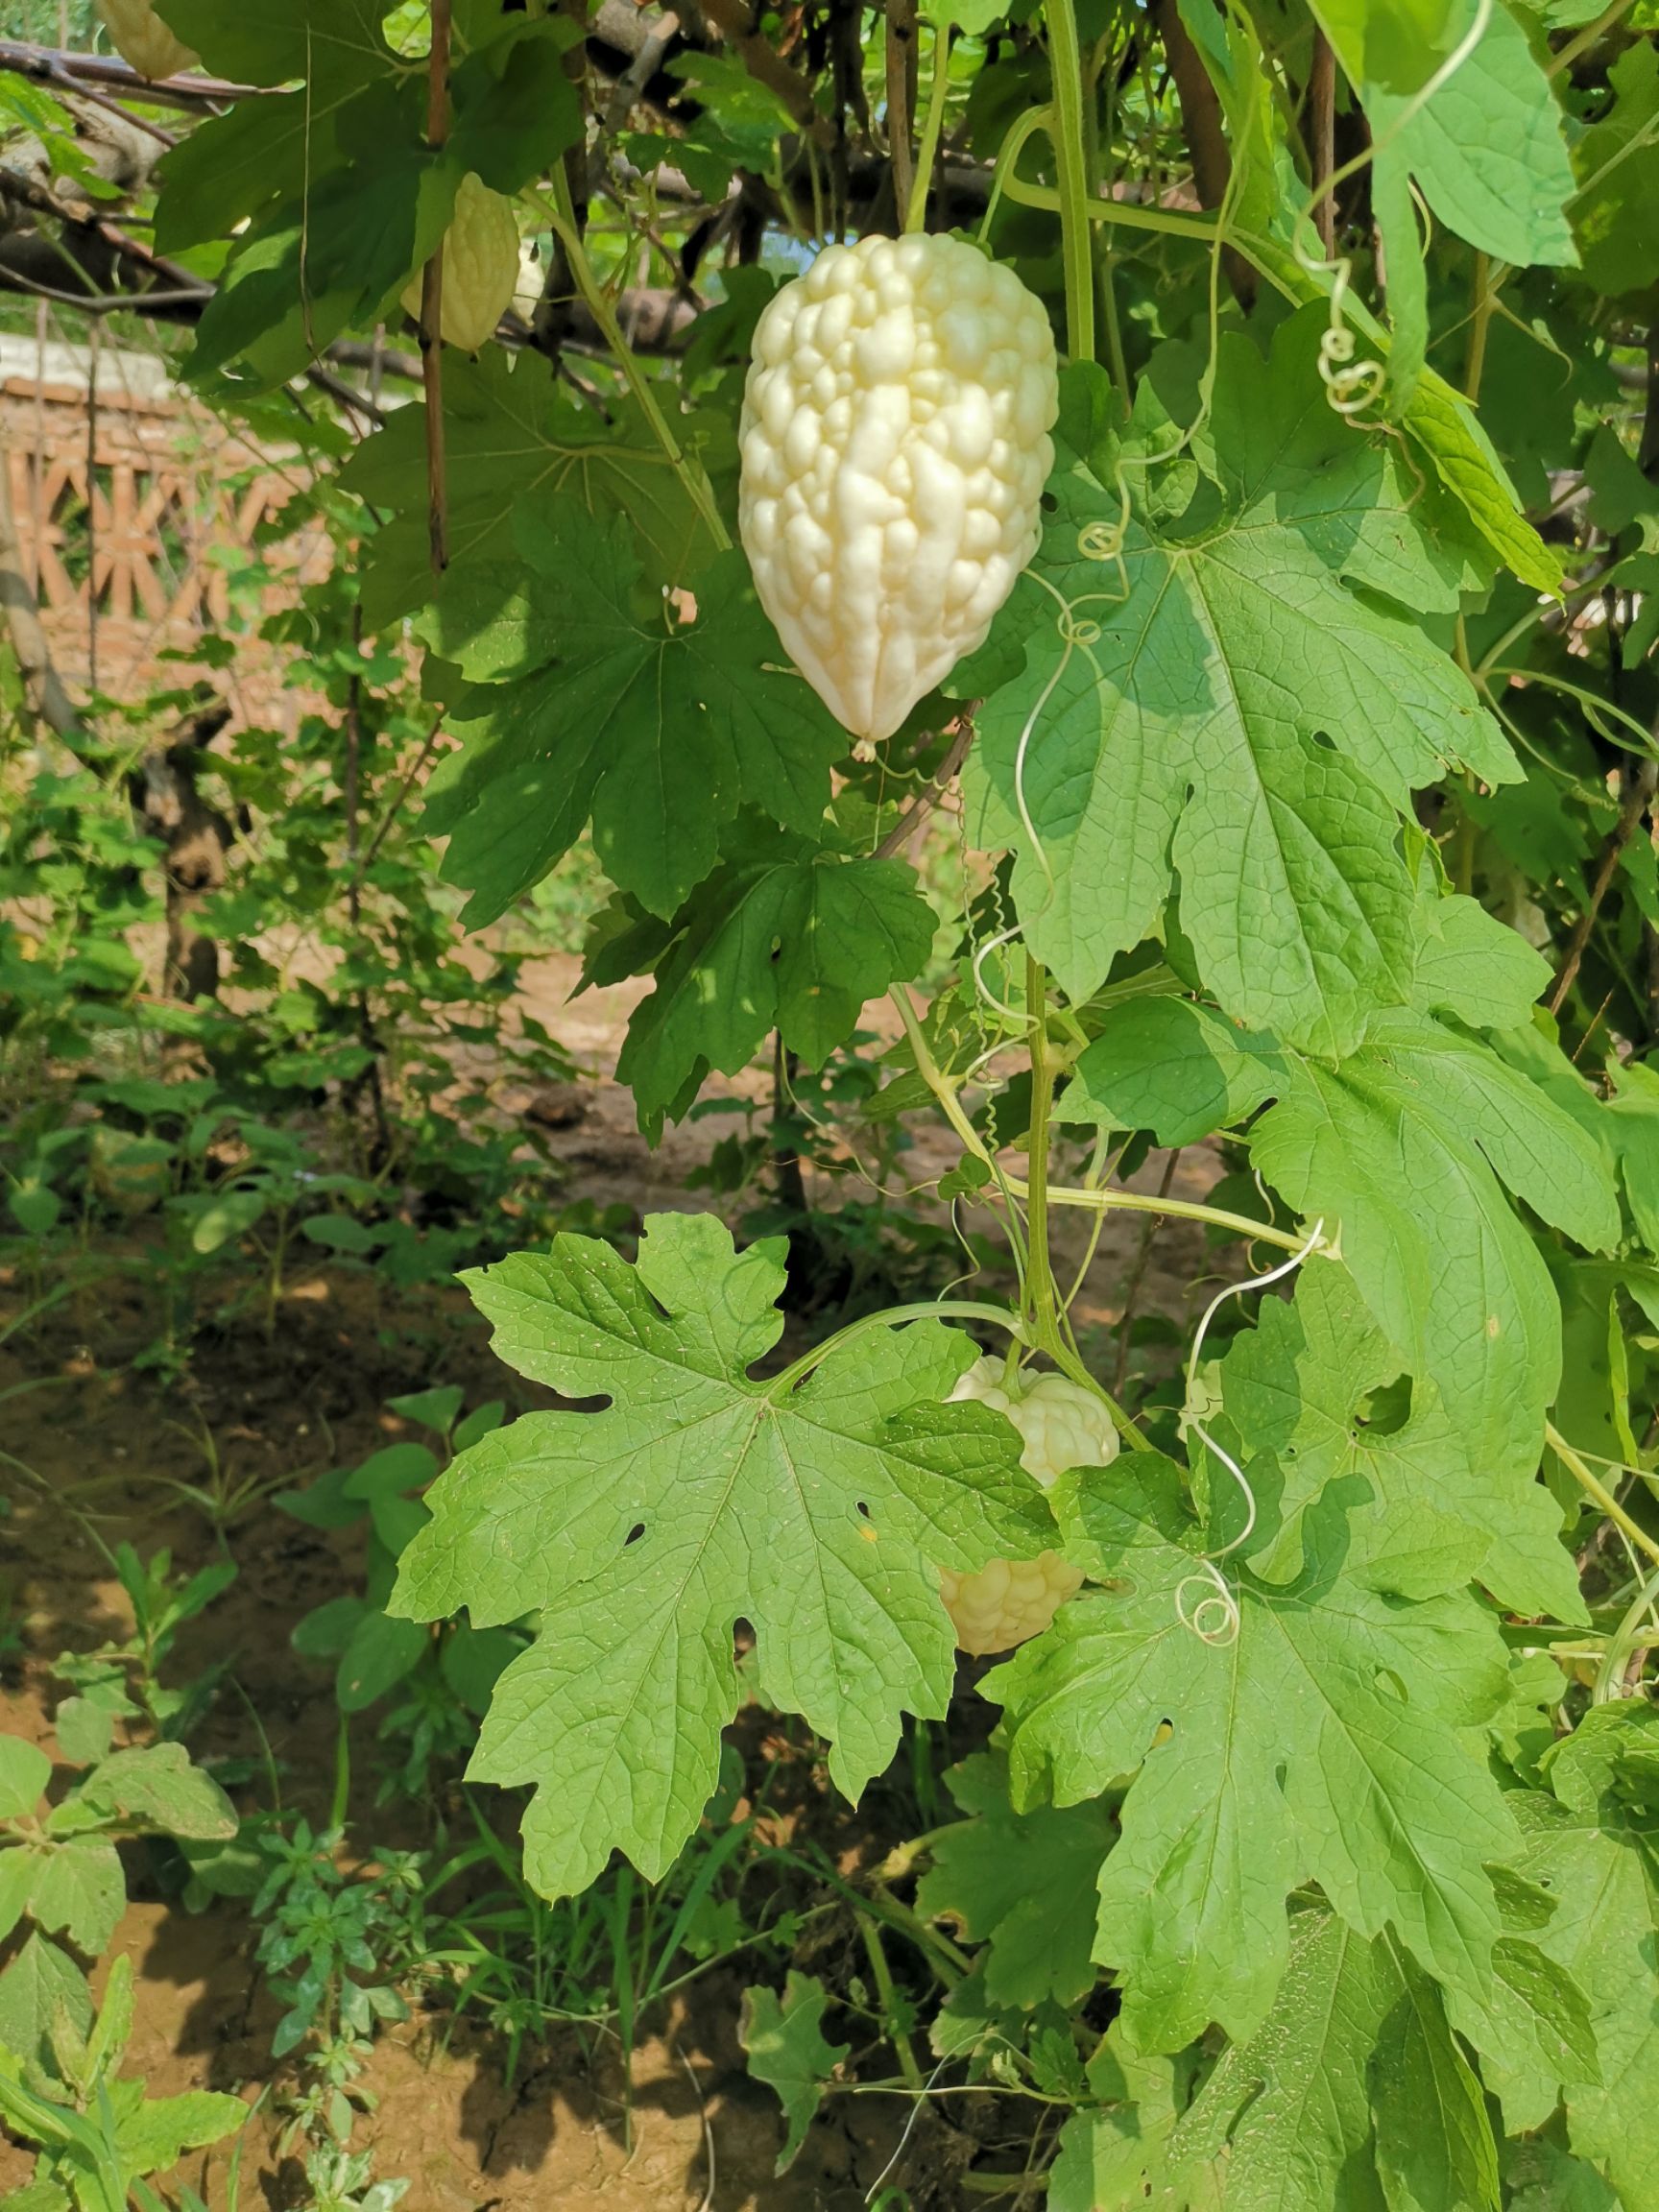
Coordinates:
1304 781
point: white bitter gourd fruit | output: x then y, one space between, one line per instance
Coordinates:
481 267
895 445
141 38
1010 1600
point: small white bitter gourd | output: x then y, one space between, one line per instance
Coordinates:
1010 1600
141 38
481 267
895 445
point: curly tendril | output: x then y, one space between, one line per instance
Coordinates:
1216 1618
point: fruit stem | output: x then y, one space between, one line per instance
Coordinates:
932 129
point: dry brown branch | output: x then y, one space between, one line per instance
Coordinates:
1206 136
927 799
196 838
1138 1275
901 72
1637 779
1322 136
54 65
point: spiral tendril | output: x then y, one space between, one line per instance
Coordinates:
1201 1618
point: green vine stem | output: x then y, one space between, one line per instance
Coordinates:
888 1996
1039 1271
1130 213
1065 1195
560 213
1077 250
1625 1639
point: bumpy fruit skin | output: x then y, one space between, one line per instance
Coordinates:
1008 1602
1063 1425
142 38
895 445
481 268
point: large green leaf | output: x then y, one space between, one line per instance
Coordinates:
1616 203
1426 1513
1115 2152
786 936
818 1510
1219 702
1024 1884
1403 1147
330 193
273 41
1596 1846
590 699
1355 2069
1489 149
1474 967
1325 1741
318 265
1434 2146
1401 1151
1395 43
514 437
783 2041
1447 435
1173 1066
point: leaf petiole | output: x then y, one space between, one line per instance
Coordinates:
1633 1631
932 128
560 213
1597 1489
893 1317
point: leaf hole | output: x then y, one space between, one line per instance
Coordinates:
634 1534
1387 1411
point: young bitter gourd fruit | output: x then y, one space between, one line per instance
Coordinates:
1062 1425
480 266
141 37
895 445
